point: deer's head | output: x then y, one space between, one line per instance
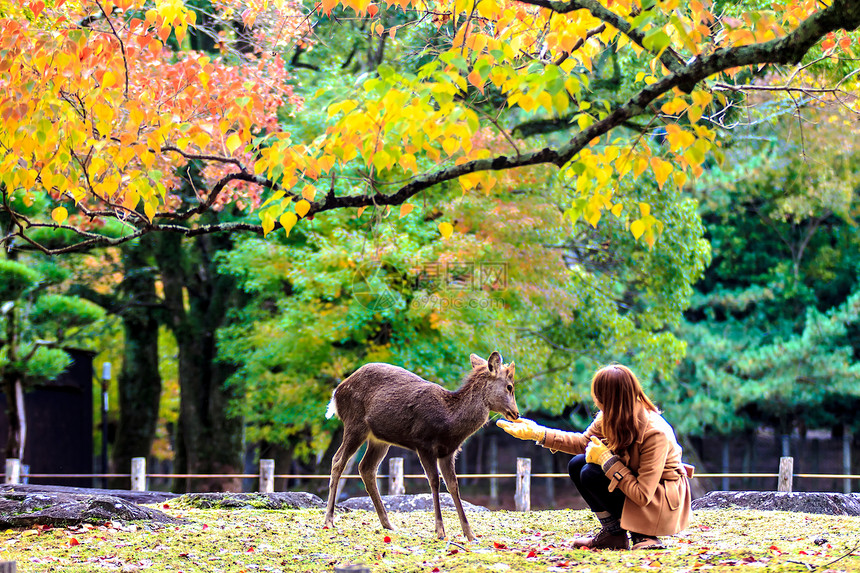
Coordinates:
497 383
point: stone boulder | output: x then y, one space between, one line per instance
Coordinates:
59 509
132 496
418 502
806 502
277 500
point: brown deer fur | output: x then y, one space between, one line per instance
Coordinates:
387 405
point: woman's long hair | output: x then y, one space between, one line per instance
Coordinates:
615 390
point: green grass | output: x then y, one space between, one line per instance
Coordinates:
248 541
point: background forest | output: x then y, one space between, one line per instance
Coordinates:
737 301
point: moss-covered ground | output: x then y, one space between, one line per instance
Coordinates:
248 541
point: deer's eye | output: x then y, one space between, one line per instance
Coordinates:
510 388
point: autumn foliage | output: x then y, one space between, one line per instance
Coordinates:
103 117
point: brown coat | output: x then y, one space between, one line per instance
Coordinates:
649 472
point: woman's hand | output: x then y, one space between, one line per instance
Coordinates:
596 452
524 429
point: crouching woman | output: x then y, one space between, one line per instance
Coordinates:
626 465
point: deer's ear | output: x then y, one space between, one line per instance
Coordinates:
494 362
477 360
510 369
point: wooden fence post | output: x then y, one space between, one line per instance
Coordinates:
494 469
138 474
524 484
786 471
8 567
846 459
267 476
13 470
395 477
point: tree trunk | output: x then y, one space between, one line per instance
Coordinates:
14 392
17 434
209 441
139 381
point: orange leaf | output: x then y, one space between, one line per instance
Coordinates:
476 80
405 209
37 7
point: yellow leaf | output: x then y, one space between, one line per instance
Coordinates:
268 223
637 227
446 229
59 215
662 170
302 208
644 209
616 210
450 145
288 220
233 142
408 163
694 114
405 209
149 211
309 192
108 79
360 211
674 107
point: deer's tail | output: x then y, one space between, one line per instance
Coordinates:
331 411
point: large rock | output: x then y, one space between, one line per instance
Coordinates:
807 502
277 500
58 509
419 502
132 496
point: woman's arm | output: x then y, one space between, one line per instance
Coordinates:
573 442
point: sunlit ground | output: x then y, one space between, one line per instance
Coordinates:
215 541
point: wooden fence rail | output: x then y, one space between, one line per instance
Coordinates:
785 476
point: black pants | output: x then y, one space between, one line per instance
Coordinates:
593 486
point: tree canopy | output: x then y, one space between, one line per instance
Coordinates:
103 120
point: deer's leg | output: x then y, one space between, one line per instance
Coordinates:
367 469
446 466
352 440
428 461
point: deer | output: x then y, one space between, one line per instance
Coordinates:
387 405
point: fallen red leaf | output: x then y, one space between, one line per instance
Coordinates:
249 550
166 506
205 527
498 545
435 570
453 552
73 542
531 554
386 539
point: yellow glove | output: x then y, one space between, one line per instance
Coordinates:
596 452
524 429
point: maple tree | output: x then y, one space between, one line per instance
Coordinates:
96 121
